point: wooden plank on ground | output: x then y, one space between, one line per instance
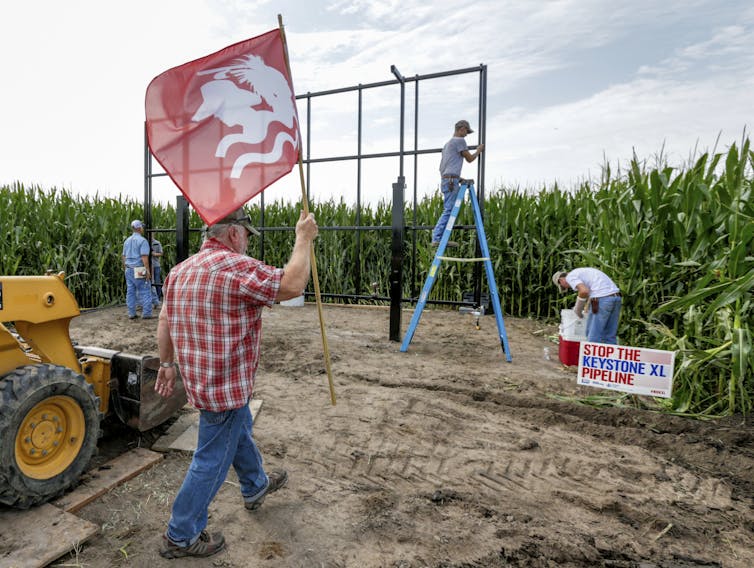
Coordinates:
183 437
38 536
256 407
107 476
188 416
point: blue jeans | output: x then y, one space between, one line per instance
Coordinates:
138 292
449 189
602 327
224 439
156 290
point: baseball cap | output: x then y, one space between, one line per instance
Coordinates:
557 276
136 224
238 217
465 123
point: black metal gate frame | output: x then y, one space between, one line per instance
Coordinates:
398 227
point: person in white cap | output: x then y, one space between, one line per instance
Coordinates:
454 153
135 259
604 298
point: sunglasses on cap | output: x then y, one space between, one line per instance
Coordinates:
244 221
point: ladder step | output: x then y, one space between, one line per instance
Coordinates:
456 259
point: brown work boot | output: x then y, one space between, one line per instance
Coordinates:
205 545
278 479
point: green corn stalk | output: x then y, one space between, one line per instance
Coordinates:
679 243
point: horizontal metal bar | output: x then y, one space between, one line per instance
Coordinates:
387 299
390 82
370 156
361 228
377 155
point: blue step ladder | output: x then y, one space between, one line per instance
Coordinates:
465 186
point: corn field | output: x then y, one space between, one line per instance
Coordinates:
678 242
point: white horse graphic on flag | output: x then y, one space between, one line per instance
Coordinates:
224 99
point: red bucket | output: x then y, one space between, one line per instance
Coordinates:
568 352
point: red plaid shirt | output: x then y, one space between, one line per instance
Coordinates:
214 302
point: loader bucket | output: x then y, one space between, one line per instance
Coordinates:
132 395
137 403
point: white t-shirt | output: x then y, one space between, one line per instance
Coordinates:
598 282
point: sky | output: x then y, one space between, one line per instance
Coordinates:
572 85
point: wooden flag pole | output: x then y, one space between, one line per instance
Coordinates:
305 205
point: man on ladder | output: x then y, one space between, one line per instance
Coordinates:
454 190
453 154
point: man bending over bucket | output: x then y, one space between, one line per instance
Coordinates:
603 296
210 325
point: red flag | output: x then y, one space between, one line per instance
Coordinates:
224 127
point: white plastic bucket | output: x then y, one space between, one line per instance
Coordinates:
572 327
296 302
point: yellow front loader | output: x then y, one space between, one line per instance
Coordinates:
53 395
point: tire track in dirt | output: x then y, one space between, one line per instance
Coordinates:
567 471
447 456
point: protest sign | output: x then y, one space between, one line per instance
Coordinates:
628 369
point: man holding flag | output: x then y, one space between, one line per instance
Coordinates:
224 127
210 325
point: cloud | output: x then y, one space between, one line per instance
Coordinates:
729 50
568 142
566 81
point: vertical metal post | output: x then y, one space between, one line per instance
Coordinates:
261 224
147 177
415 217
181 229
396 264
482 130
357 268
482 127
308 146
148 194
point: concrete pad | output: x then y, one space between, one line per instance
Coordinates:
183 432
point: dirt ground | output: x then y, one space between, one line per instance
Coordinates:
444 456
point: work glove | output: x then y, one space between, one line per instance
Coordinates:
579 307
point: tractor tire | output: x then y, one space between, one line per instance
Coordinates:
49 427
